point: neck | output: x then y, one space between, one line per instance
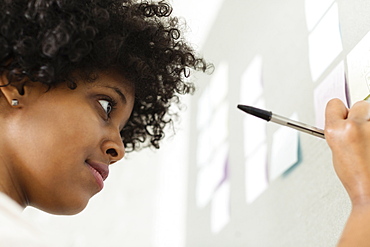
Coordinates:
9 185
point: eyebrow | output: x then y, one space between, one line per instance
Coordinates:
119 92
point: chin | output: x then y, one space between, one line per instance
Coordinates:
70 211
65 208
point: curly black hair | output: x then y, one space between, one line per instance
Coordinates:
47 40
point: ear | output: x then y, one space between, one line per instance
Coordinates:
12 92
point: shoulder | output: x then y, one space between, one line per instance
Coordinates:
15 230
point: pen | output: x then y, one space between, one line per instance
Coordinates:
269 116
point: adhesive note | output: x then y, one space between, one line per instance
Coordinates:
212 115
315 10
284 151
220 207
219 125
213 95
325 42
204 151
254 131
333 86
251 87
218 86
204 112
256 180
358 64
210 176
251 92
213 135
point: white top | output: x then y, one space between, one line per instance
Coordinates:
15 230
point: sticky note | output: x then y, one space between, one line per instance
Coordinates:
284 151
325 42
333 86
358 63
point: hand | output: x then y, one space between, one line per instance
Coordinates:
347 132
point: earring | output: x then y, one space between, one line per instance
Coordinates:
15 102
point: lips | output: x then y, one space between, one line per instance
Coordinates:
102 169
100 172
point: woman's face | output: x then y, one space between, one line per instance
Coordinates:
60 142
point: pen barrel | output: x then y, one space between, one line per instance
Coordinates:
297 125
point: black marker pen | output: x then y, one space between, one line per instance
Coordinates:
269 116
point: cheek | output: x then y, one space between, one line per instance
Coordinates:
59 135
49 151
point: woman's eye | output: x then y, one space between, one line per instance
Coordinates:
107 106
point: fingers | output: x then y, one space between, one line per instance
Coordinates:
360 111
335 111
346 124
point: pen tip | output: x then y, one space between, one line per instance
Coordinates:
240 106
266 115
245 108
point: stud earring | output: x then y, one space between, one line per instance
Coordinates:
15 102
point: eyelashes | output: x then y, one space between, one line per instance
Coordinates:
107 104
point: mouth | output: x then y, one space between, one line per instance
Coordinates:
101 168
99 171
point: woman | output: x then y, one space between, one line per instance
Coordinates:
80 83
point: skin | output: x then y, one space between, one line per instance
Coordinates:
347 132
47 141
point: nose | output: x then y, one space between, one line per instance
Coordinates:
114 149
